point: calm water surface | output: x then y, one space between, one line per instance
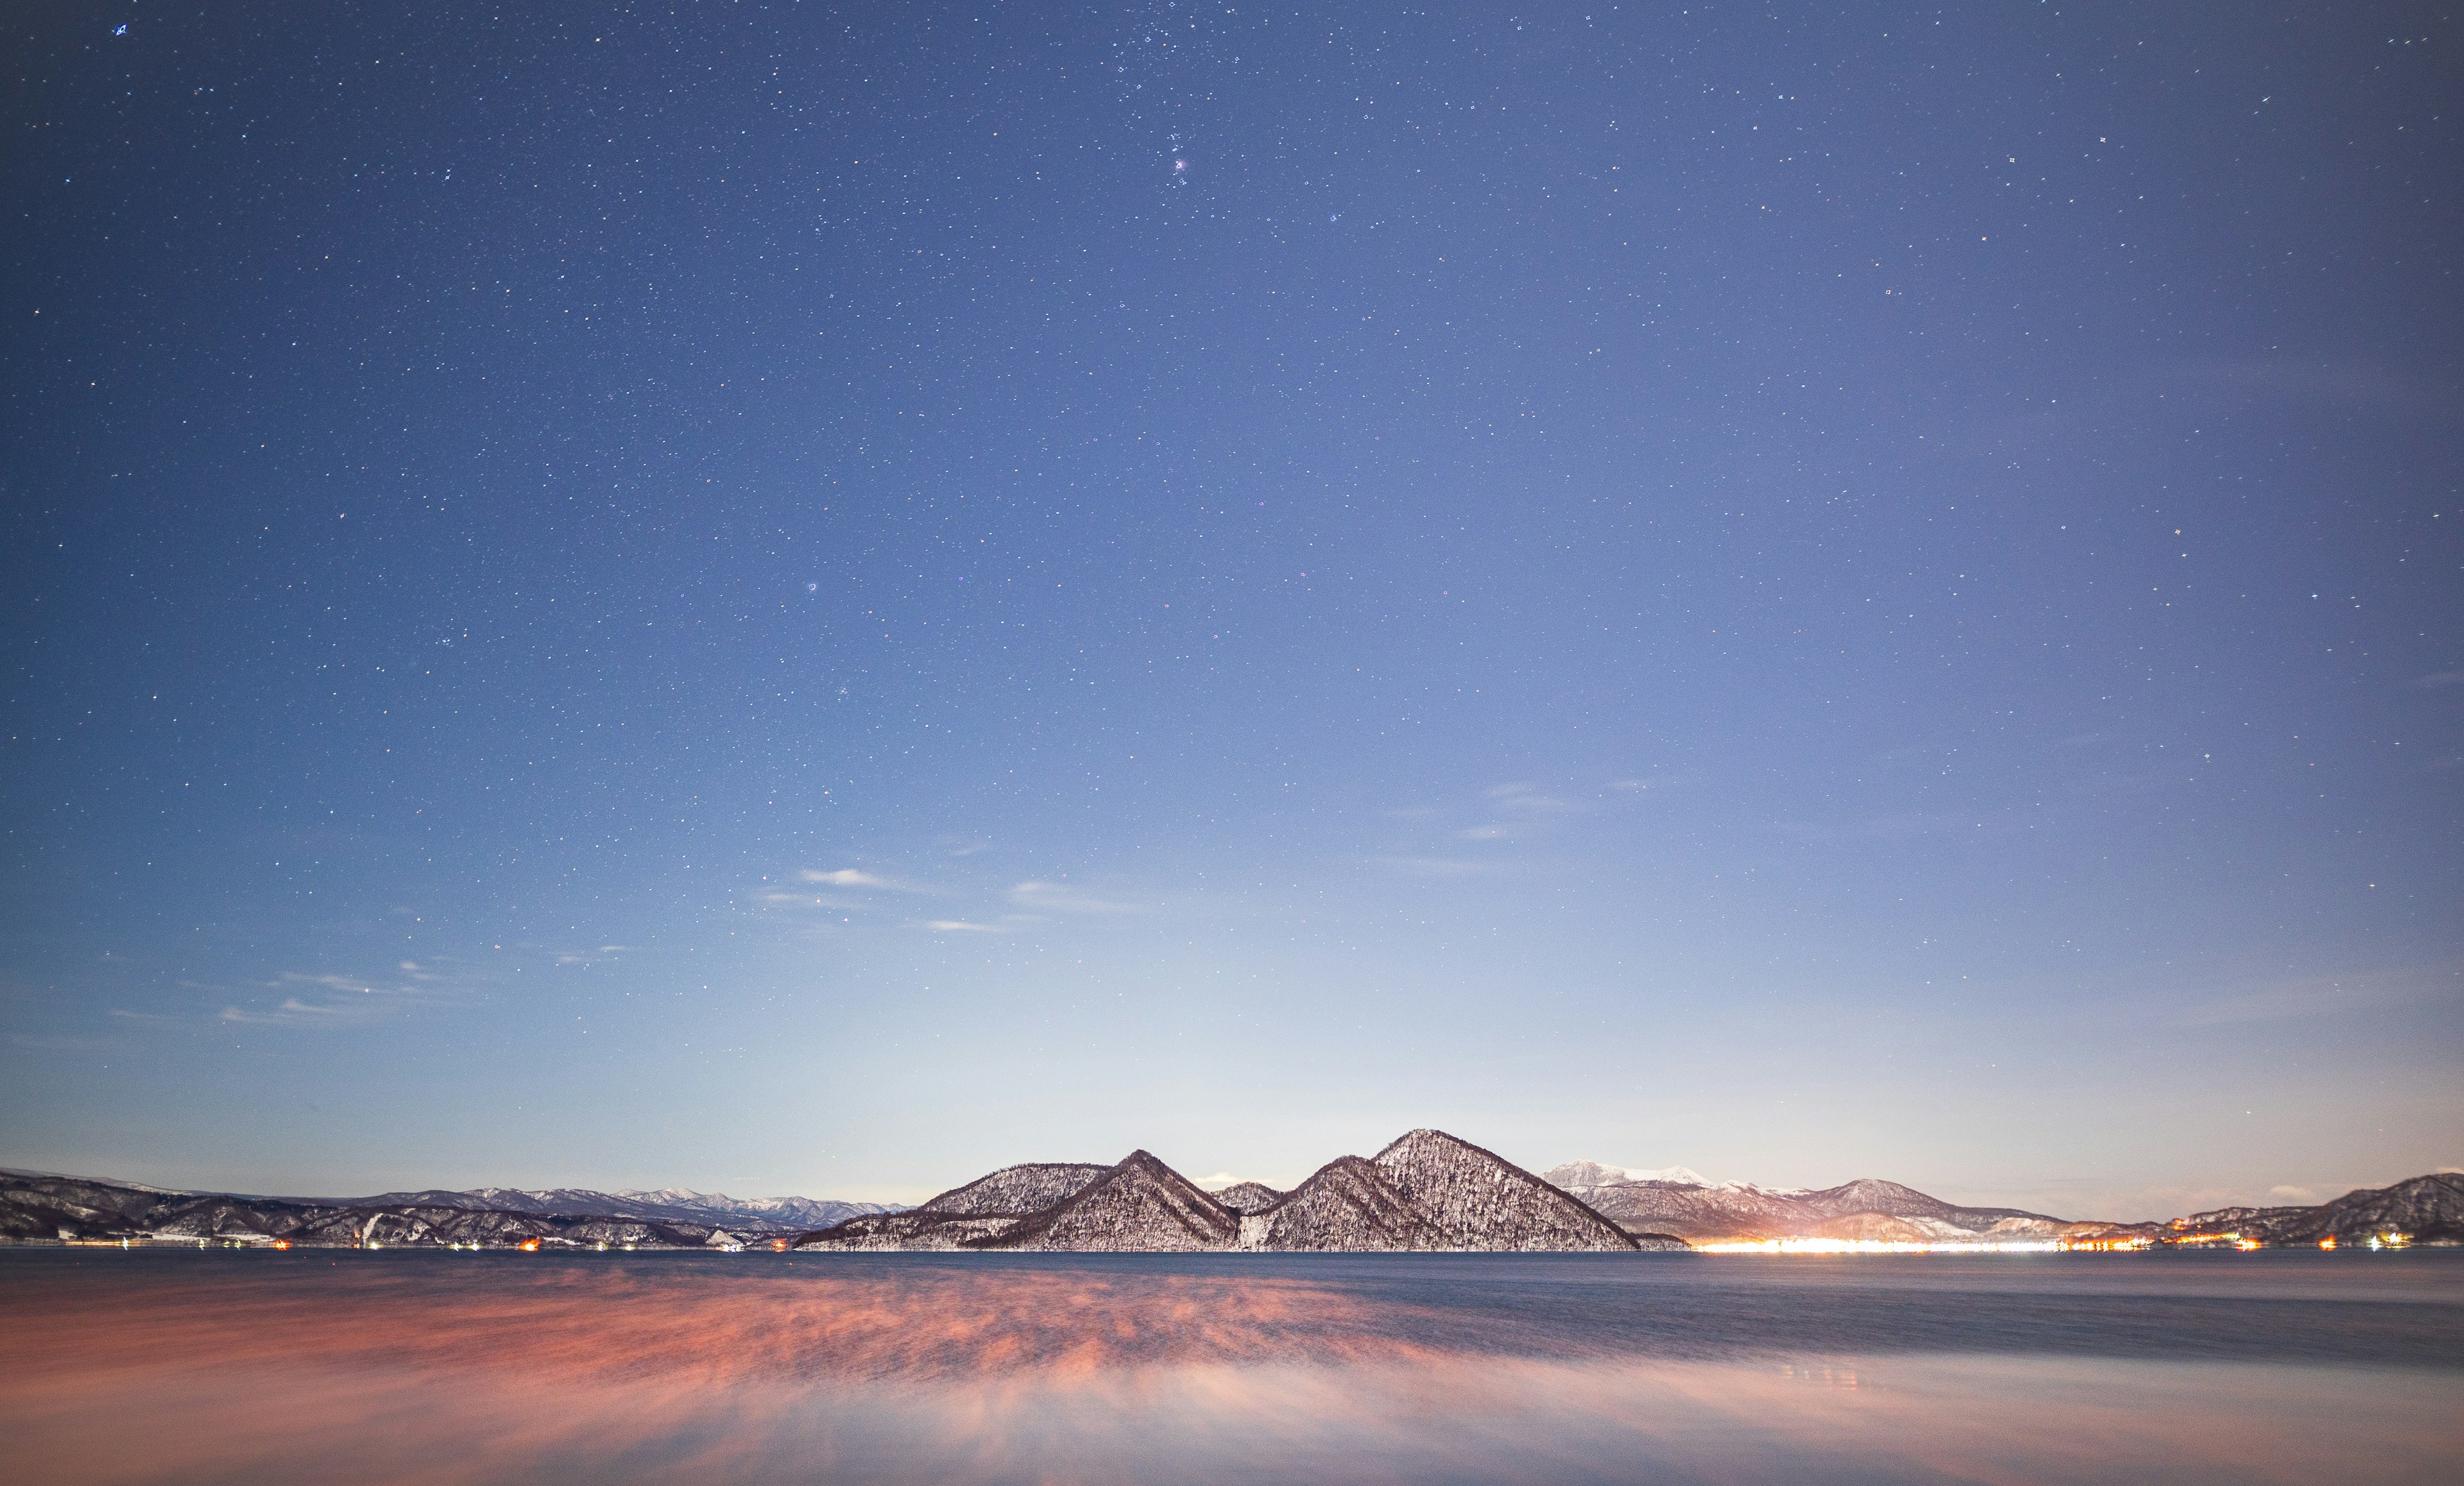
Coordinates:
213 1366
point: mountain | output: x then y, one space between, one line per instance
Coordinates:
1857 1209
2423 1209
1428 1190
1591 1174
668 1205
1140 1205
968 1216
35 1208
1248 1197
1472 1198
1690 1212
1346 1204
1016 1190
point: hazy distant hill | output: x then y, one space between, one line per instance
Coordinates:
669 1205
45 1208
1861 1209
1246 1198
68 1209
2423 1209
1428 1190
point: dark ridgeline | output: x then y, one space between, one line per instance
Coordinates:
39 1208
2423 1209
1426 1192
764 1215
1248 1197
1141 1204
62 1208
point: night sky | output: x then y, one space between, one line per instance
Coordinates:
791 599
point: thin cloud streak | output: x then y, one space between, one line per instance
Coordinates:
1059 898
1434 866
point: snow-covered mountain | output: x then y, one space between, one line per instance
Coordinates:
1431 1191
1576 1175
2425 1209
1694 1208
41 1209
1141 1205
668 1205
1427 1190
799 1212
1248 1197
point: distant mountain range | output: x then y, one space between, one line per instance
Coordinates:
39 1207
667 1205
1865 1208
2425 1209
1426 1192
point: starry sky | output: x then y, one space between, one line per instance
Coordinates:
799 599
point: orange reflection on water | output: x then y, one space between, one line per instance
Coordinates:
422 1373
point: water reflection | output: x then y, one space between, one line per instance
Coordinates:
160 1367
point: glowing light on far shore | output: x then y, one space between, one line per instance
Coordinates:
1878 1246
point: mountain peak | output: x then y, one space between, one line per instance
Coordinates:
1426 1190
1141 1204
1576 1175
1248 1198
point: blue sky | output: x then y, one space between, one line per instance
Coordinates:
791 599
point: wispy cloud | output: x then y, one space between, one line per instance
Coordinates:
296 1013
850 891
789 898
2293 1000
1526 801
1519 809
960 925
313 1002
2437 680
1061 898
42 1044
851 877
1433 866
606 952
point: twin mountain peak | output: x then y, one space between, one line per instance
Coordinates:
1428 1190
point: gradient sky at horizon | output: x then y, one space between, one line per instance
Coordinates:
791 599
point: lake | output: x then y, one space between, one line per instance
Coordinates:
396 1367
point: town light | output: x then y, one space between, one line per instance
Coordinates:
1874 1246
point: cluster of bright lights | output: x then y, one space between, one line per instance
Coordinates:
1878 1246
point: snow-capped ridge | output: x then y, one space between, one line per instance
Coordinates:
1426 1190
1866 1208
